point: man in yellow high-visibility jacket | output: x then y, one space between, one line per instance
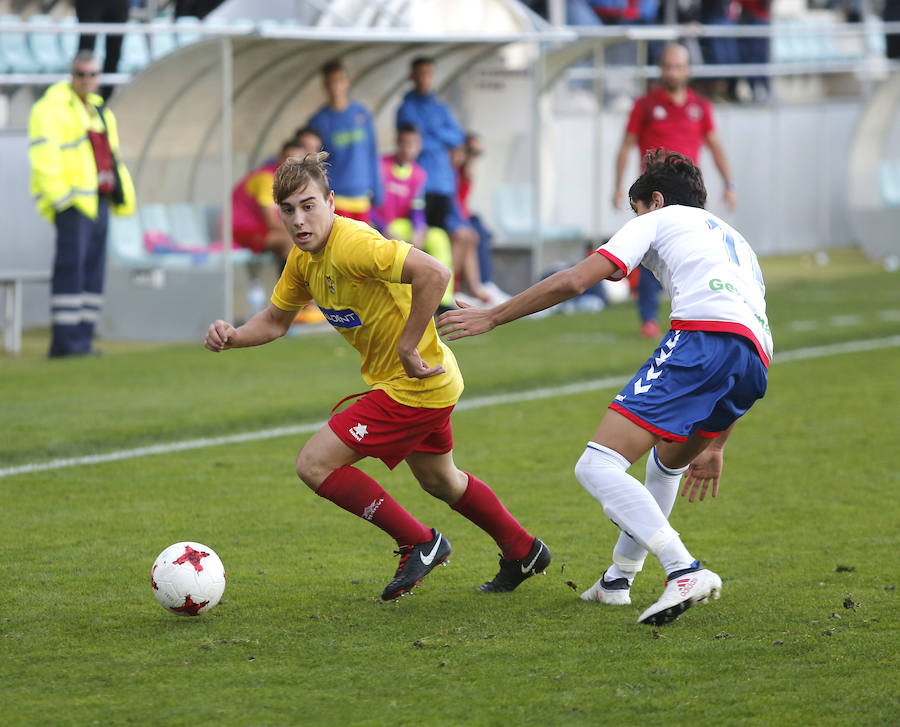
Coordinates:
75 179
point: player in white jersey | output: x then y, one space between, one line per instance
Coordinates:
683 403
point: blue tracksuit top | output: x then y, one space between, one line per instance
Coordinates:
440 133
349 138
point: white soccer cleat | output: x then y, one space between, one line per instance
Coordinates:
615 592
682 591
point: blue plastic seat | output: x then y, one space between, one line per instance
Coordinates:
14 49
889 182
188 225
155 218
162 43
68 41
184 34
125 239
135 52
45 47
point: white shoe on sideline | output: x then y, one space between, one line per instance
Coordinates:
468 300
495 296
615 592
682 591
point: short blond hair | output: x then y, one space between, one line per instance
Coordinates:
296 173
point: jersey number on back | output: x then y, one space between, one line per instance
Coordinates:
731 248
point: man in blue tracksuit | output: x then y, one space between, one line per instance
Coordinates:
440 132
348 135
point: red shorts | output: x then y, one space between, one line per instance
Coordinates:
377 426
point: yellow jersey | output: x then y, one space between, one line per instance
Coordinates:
355 281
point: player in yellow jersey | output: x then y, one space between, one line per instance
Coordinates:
380 295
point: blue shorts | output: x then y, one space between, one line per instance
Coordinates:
455 219
694 383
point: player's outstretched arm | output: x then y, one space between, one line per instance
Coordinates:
265 326
548 292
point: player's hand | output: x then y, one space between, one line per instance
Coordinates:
416 368
466 321
618 199
218 335
705 469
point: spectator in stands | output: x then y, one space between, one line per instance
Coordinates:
755 49
674 117
719 50
195 8
255 217
463 237
616 12
348 135
76 178
477 266
440 134
401 215
891 14
308 139
103 11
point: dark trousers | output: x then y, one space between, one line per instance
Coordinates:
103 11
437 207
76 291
648 290
485 251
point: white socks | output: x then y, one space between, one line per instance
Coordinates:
640 512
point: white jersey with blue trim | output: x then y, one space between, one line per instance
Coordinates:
707 267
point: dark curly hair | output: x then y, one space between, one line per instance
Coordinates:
671 174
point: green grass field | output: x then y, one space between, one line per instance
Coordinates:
804 534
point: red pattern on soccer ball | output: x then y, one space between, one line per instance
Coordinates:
189 607
193 557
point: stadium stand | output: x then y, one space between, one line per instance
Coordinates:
182 224
135 52
14 50
162 43
68 42
185 32
45 47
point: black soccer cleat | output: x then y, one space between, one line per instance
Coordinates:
416 562
513 572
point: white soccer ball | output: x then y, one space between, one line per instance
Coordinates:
188 578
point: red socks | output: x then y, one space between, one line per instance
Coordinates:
356 492
480 505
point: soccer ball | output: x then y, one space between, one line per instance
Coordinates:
188 578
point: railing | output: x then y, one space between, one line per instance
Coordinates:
798 47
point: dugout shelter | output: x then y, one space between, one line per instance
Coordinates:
201 117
